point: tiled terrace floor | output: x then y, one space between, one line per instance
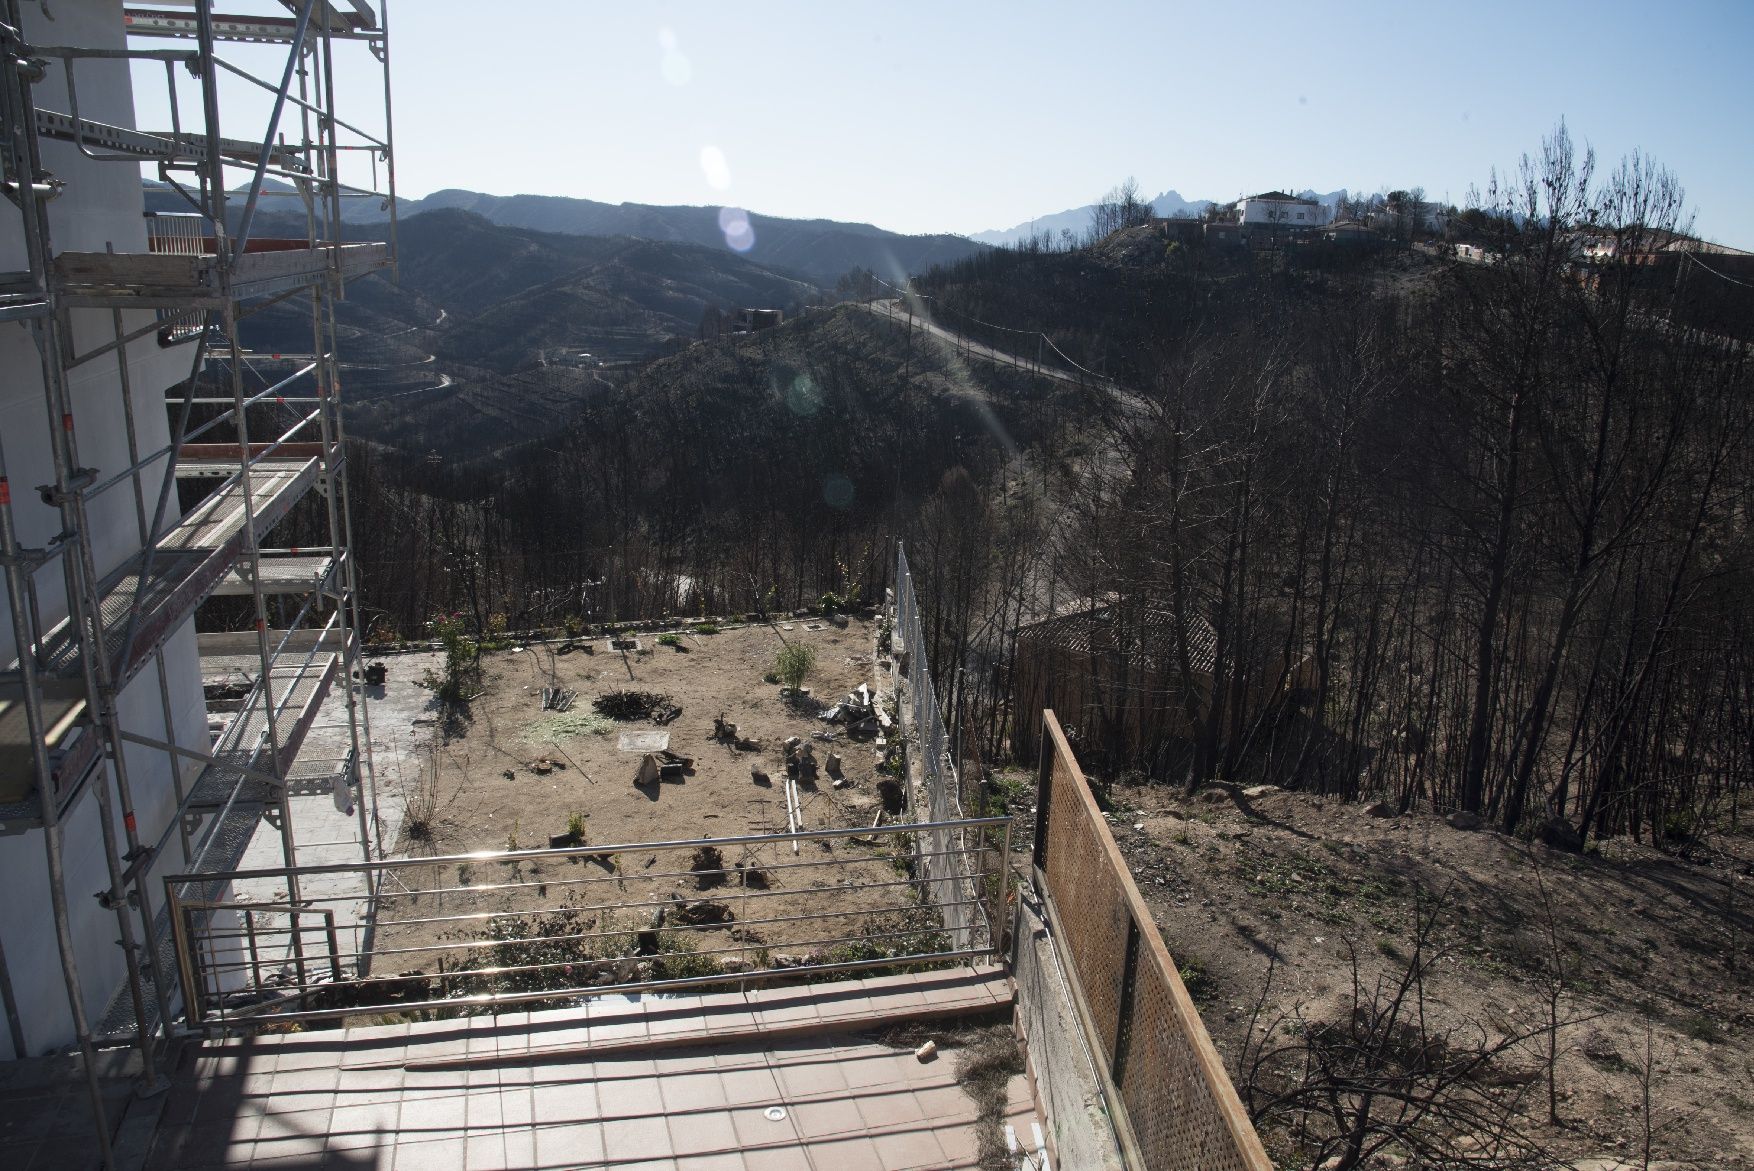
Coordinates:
683 1083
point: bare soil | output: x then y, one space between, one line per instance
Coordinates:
1653 956
505 774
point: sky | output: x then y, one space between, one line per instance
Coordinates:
967 115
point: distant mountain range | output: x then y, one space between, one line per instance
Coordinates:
1077 219
819 250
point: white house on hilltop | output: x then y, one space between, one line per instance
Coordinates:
1279 210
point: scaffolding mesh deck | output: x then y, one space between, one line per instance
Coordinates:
190 563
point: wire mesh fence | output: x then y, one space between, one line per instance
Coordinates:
948 883
1172 1101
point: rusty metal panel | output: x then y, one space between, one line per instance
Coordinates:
1173 1102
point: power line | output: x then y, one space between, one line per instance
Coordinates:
1714 272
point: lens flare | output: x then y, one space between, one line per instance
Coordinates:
715 168
837 491
673 63
803 397
739 234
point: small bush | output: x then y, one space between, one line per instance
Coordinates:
462 670
706 628
672 640
1199 983
794 663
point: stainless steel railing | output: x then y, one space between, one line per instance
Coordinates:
468 931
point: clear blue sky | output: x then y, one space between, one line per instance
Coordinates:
959 115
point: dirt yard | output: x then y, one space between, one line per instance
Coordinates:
506 774
1643 957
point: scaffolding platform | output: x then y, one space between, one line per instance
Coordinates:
192 562
163 146
298 694
20 298
188 565
346 19
279 576
73 743
182 281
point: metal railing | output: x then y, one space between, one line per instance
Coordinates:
468 931
1172 1102
922 726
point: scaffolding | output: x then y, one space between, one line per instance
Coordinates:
85 629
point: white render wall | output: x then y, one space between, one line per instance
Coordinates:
1282 213
101 206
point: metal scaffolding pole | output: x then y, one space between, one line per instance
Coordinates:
97 642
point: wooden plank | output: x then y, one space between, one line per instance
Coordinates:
130 268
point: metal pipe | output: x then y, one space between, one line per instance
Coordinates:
317 110
349 646
22 158
487 999
582 851
642 904
14 1025
85 617
292 56
350 586
390 143
215 939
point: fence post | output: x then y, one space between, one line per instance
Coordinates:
192 998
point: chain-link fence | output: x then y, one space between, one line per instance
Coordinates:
932 771
1172 1101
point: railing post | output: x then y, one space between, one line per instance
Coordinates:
334 945
185 957
255 953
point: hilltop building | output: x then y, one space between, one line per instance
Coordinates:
1277 210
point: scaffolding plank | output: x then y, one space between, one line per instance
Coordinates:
124 279
169 146
298 693
278 576
214 645
190 563
354 20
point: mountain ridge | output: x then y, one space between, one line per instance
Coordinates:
821 250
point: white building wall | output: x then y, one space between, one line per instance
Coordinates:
100 207
1282 213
